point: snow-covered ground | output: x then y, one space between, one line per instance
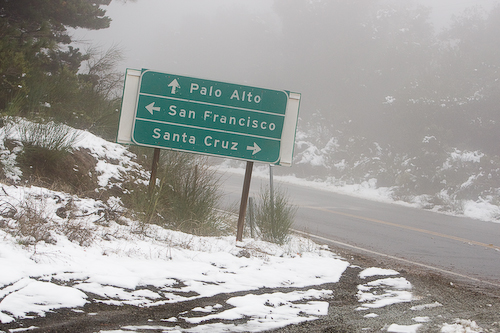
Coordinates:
125 263
463 182
124 260
66 261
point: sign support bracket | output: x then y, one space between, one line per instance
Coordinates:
244 201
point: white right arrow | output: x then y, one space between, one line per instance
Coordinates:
255 148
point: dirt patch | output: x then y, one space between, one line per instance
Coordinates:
438 299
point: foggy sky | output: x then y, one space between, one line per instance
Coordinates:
235 41
149 30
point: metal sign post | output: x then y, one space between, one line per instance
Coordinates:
271 192
244 201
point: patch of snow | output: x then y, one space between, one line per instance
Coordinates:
466 156
270 308
399 283
208 308
428 139
311 155
113 160
384 292
389 100
28 296
395 328
371 315
481 210
375 271
421 319
462 326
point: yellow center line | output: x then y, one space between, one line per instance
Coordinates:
429 232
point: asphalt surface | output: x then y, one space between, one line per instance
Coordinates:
461 247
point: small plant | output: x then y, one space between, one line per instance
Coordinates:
185 198
15 105
76 231
190 189
274 216
51 135
48 158
44 147
32 224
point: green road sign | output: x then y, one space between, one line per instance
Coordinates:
208 117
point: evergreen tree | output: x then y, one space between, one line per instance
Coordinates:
36 64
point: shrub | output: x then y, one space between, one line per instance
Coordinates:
185 198
33 226
47 156
32 221
191 191
274 221
44 146
51 135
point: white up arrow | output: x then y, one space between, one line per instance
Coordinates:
255 148
174 85
151 108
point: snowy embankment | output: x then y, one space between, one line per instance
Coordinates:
455 182
76 251
124 260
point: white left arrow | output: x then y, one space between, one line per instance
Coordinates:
255 148
174 85
152 108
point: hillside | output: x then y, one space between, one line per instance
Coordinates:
74 255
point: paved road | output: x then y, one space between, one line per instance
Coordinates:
459 246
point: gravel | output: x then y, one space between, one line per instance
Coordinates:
440 303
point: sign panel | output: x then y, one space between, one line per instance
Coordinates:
208 117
